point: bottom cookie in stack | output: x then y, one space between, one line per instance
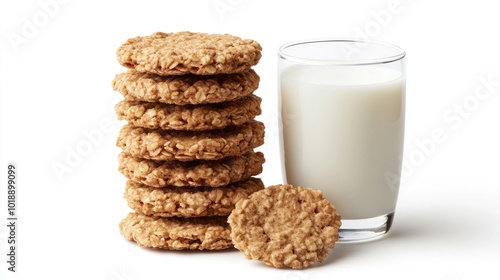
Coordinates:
204 233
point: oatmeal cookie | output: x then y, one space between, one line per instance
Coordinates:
191 145
285 226
189 117
200 173
185 89
188 202
189 52
207 233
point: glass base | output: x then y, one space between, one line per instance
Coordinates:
364 230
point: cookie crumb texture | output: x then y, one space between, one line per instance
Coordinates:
189 52
190 145
210 233
285 226
185 89
189 202
194 118
204 173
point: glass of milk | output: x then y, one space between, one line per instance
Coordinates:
342 106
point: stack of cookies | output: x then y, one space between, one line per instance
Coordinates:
188 146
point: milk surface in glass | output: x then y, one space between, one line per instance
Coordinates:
343 129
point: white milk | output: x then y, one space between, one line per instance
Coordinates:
343 129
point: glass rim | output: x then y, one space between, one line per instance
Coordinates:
304 60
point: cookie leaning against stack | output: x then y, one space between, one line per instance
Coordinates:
188 147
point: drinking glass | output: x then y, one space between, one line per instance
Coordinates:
342 105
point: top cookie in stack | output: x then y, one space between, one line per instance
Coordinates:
188 147
189 53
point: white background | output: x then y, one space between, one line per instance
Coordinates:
55 84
